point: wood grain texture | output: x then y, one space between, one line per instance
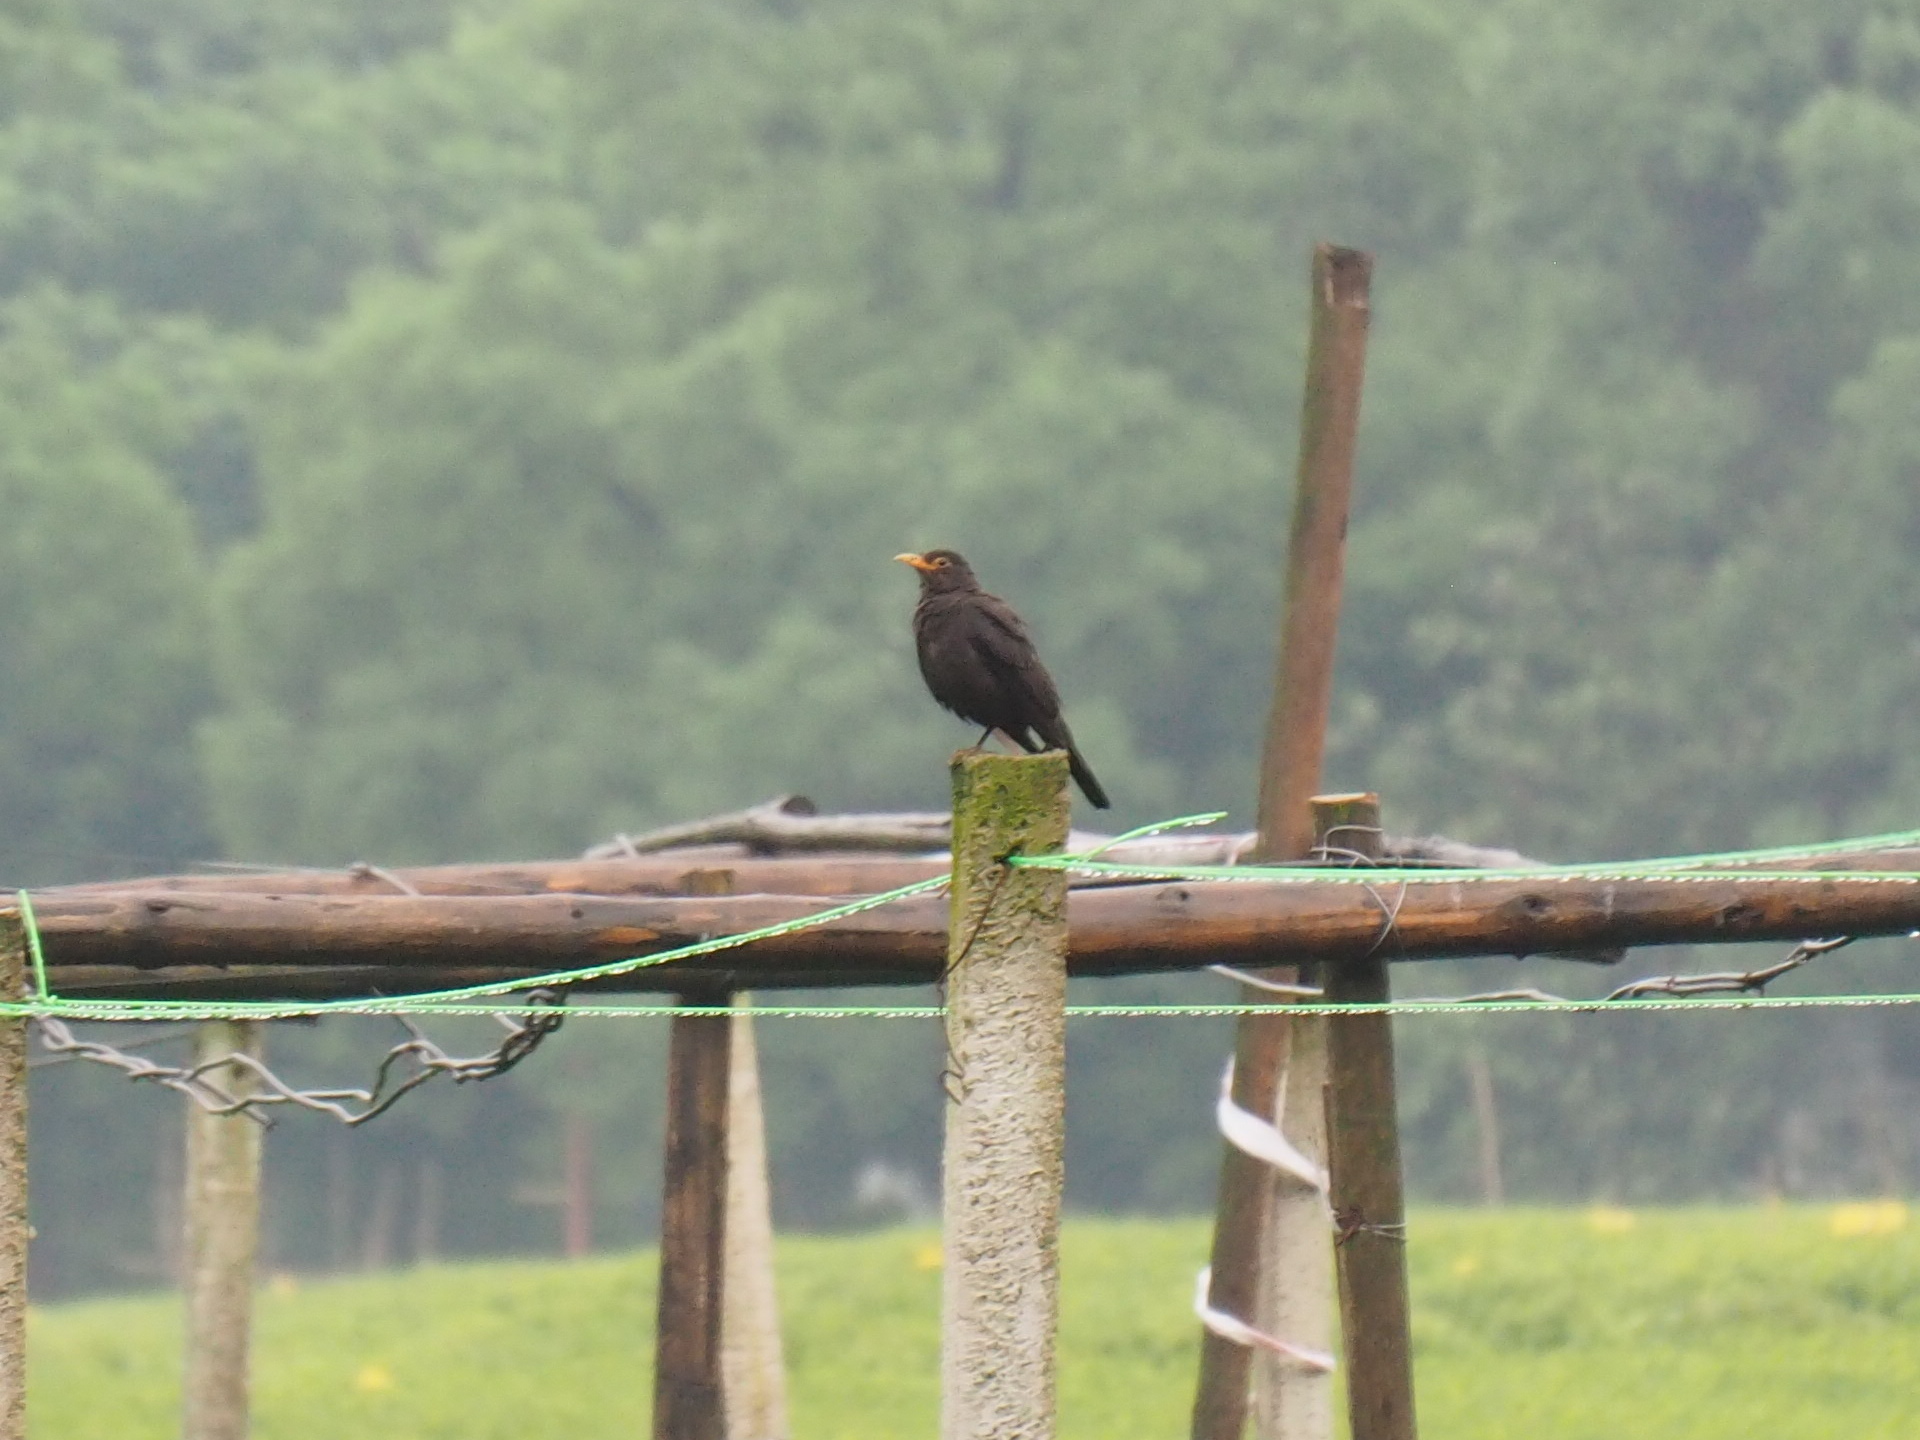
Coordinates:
752 1355
1239 1226
849 874
1290 763
251 945
1341 313
831 874
688 1390
1363 1154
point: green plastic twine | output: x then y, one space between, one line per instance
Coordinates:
1678 870
39 956
430 1002
183 1010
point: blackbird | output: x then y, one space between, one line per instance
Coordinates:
978 662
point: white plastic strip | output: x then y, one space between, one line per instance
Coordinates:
1240 1333
1272 987
1262 1139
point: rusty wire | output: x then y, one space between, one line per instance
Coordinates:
1714 982
1729 982
404 1068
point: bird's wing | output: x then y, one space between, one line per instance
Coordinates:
1002 643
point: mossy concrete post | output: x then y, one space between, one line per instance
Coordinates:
13 1184
1006 987
222 1239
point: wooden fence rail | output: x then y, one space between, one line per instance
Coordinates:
128 944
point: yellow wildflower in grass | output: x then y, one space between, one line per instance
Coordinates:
374 1379
1609 1220
1867 1217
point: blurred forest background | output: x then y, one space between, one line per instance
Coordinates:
449 429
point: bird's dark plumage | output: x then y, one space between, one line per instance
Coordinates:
979 663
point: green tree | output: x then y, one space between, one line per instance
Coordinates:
549 381
104 629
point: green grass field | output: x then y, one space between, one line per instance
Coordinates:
1790 1323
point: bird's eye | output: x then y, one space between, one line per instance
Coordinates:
941 563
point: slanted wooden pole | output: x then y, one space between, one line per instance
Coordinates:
222 1239
688 1385
1316 548
751 1358
1289 775
1239 1224
14 1229
1363 1141
1006 1084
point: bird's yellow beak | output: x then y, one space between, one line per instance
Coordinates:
917 561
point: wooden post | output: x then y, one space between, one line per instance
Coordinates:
1239 1225
1289 775
222 1237
341 1180
14 1229
377 1236
751 1359
167 1208
1295 1298
1486 1120
1369 1211
1006 1083
576 1172
426 1211
687 1391
1316 548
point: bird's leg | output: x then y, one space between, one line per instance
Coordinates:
988 733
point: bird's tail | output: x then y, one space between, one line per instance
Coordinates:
1089 786
1055 736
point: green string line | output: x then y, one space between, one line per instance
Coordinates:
439 1001
1435 875
1715 866
1184 822
167 1010
57 1006
38 955
1892 840
447 1002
